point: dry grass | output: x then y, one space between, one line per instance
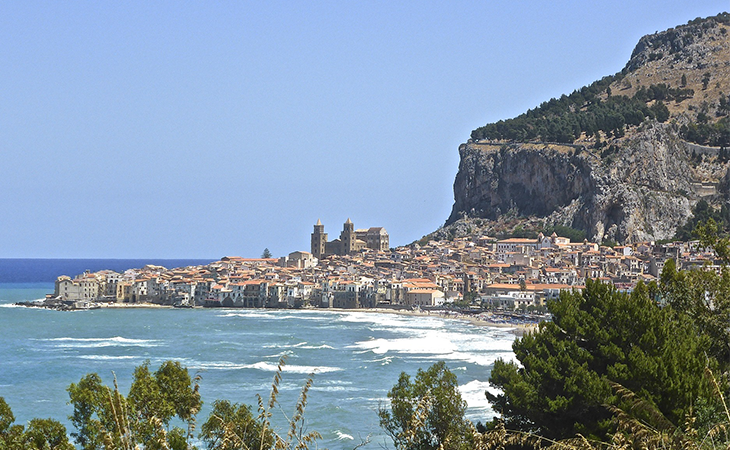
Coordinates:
669 71
296 438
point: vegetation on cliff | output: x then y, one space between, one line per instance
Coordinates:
584 112
716 134
702 213
599 107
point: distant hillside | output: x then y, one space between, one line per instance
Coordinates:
623 159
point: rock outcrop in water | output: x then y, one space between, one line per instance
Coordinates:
634 186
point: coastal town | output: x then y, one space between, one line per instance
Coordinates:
359 270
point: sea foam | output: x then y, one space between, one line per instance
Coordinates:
474 393
343 437
264 366
109 357
391 321
117 341
479 359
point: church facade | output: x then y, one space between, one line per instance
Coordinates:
350 240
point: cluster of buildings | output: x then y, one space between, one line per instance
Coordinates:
359 270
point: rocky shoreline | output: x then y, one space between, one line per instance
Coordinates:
56 305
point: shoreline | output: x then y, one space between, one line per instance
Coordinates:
519 329
133 305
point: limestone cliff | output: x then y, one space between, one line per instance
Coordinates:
640 182
644 191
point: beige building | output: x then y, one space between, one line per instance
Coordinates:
66 289
424 297
83 287
299 260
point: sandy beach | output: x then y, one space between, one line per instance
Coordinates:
134 305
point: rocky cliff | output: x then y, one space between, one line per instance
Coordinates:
637 183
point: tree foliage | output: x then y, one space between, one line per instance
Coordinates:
584 111
716 134
428 412
598 337
703 293
703 213
705 296
90 415
564 119
45 434
231 425
106 419
573 234
40 434
103 415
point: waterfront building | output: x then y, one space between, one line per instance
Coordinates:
424 297
83 287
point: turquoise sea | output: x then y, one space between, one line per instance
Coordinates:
355 357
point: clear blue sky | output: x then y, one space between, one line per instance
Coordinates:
203 129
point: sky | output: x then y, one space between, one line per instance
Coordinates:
181 129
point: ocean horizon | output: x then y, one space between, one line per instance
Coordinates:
30 270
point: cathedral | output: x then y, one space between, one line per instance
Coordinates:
350 241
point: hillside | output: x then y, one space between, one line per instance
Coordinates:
624 159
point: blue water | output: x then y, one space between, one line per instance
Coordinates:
14 270
356 357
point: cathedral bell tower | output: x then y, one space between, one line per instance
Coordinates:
319 239
347 238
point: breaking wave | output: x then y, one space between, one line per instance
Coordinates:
343 437
474 393
117 341
108 357
392 321
264 366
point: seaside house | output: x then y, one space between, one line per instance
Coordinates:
424 297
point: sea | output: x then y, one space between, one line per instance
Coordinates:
354 358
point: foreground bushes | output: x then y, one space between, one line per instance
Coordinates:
107 420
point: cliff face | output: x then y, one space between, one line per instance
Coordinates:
532 179
637 182
643 191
